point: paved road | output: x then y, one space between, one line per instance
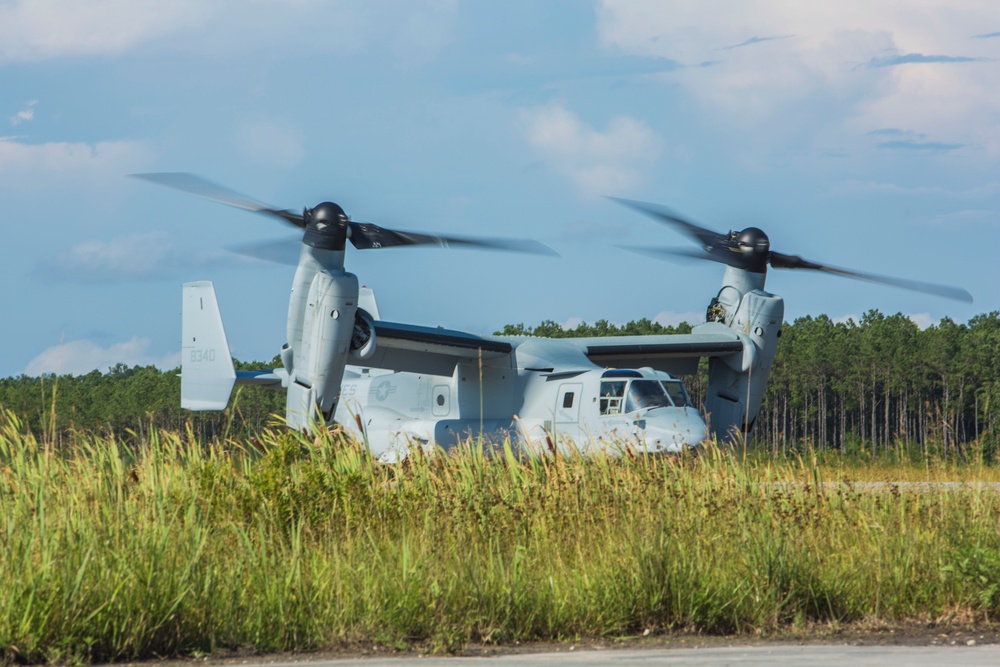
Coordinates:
820 655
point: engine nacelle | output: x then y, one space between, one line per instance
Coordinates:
363 336
736 382
327 328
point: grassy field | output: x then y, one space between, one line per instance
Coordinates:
179 547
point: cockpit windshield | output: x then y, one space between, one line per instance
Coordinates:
677 394
612 392
646 394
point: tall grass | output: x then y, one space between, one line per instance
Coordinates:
179 547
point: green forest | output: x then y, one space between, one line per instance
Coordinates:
861 387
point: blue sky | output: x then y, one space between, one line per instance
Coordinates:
859 134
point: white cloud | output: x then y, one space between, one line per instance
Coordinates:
922 320
669 318
24 115
606 162
571 323
136 256
83 356
41 29
418 31
273 143
141 256
40 169
856 188
32 30
55 157
846 319
971 216
820 73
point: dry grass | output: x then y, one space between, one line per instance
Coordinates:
178 547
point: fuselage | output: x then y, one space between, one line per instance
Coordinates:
536 409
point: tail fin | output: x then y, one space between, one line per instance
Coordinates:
207 374
366 300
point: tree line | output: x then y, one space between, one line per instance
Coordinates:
884 381
848 386
128 401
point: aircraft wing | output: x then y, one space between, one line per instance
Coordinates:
436 351
432 350
675 353
413 349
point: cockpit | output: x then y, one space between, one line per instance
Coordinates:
625 391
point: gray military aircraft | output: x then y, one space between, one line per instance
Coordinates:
399 386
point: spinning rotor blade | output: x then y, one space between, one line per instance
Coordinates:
782 261
196 185
668 253
750 250
365 236
286 251
280 251
721 254
705 237
329 220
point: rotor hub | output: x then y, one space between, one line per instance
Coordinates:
327 226
753 246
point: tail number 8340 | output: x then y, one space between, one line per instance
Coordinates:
201 355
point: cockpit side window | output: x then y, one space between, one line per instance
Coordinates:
677 394
612 396
646 394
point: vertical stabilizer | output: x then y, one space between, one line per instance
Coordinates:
366 301
207 374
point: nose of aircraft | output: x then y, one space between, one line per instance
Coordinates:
672 430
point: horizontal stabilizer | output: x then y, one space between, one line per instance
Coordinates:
271 379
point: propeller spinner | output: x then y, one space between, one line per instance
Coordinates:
750 250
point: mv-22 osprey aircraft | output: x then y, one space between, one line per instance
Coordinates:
399 386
